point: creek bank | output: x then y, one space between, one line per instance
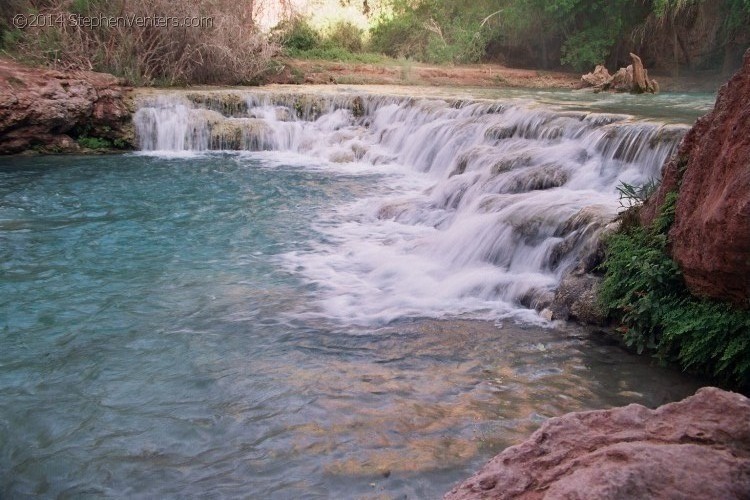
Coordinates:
52 111
710 236
696 448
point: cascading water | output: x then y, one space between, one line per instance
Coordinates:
181 322
481 208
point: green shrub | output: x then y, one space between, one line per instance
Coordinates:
585 49
399 36
344 35
431 34
296 34
643 288
93 142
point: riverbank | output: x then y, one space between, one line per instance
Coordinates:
405 72
48 111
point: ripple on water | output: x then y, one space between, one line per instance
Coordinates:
153 344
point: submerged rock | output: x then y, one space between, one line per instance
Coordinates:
228 103
576 298
534 179
695 448
710 237
237 134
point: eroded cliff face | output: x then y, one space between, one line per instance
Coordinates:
710 237
50 110
696 448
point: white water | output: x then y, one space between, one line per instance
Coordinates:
481 208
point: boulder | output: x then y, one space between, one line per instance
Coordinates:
633 78
641 81
622 80
49 109
576 298
695 448
597 78
710 237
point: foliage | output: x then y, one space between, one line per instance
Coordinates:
222 48
644 289
344 35
540 33
432 31
94 142
340 42
631 195
296 34
534 33
587 48
399 36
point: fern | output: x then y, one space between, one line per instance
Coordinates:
644 289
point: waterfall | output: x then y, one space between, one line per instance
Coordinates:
492 201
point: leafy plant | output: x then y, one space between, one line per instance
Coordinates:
643 288
585 49
344 35
94 142
631 195
296 34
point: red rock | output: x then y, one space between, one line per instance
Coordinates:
43 107
696 448
710 238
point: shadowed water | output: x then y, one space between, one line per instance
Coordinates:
157 340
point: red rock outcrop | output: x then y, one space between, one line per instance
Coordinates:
696 448
710 237
49 109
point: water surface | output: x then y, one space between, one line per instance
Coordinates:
158 341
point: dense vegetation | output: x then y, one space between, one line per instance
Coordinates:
222 47
671 35
577 33
643 288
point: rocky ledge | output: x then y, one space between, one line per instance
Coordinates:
695 448
53 111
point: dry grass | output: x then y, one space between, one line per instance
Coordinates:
226 49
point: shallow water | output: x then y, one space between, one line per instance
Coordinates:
161 338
